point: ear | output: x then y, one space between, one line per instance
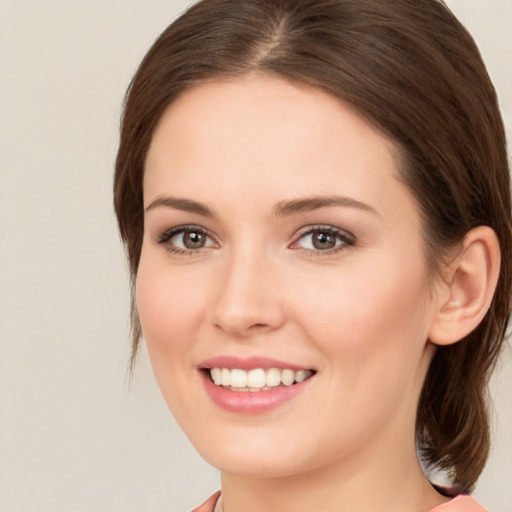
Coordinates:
465 294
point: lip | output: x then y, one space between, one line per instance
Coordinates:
248 363
251 402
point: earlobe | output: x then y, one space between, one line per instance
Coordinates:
468 287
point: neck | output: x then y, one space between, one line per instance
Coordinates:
394 479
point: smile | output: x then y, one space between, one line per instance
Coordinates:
253 385
258 379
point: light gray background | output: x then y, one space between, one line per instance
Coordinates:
73 435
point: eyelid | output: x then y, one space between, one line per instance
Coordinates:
165 236
348 238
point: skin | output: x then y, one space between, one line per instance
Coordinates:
359 316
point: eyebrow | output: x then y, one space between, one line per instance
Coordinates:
186 205
308 204
282 209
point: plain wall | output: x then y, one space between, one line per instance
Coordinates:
74 436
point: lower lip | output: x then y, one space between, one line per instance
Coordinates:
252 402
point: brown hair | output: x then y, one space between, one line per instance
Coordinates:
413 71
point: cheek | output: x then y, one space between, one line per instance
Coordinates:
168 305
369 321
170 312
372 329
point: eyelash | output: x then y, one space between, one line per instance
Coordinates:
345 238
165 237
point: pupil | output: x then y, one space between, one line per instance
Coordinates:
324 240
193 240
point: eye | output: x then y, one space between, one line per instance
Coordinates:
186 238
324 239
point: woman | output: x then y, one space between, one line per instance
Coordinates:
315 200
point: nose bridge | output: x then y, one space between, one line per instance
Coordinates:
247 299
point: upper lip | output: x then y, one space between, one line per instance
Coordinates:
248 363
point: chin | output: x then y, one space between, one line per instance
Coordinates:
255 465
267 454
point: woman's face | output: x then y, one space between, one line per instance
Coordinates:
282 253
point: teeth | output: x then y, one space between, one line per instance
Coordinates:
301 375
257 379
216 374
273 377
226 376
238 378
288 377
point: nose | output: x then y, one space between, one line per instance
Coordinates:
248 299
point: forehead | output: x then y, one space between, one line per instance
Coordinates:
259 134
221 108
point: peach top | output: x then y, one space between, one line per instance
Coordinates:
461 503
